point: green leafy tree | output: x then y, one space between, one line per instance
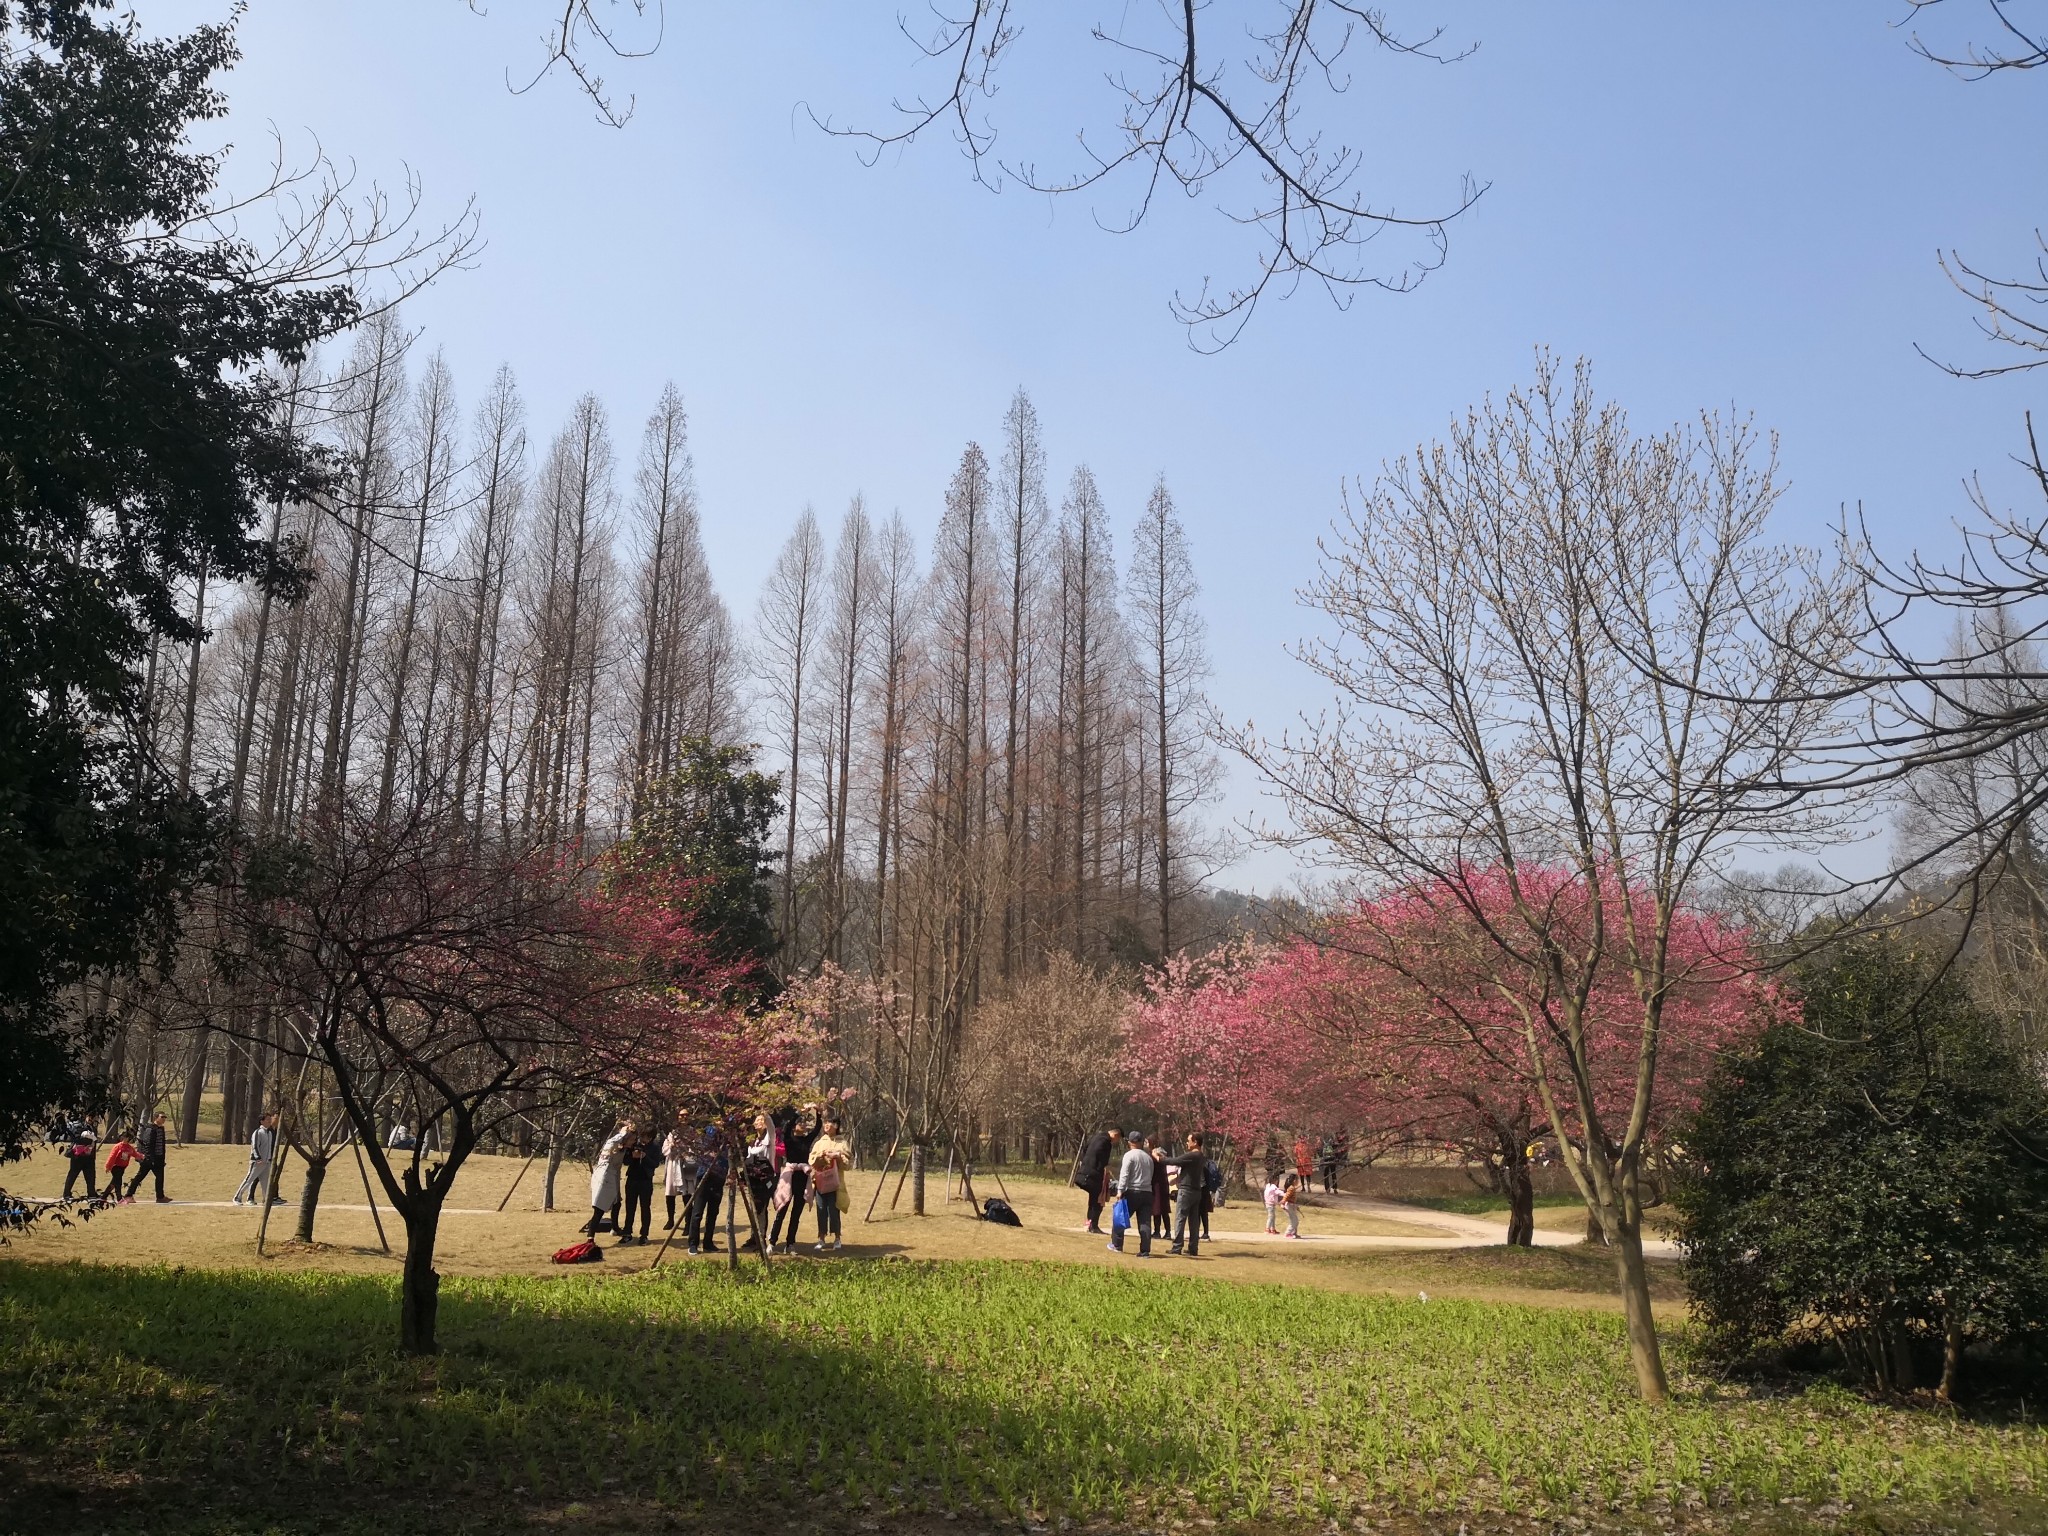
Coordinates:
709 824
1877 1175
138 441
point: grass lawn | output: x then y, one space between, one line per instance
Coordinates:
903 1394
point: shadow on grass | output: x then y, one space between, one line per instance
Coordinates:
223 1401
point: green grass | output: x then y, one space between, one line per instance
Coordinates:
233 1401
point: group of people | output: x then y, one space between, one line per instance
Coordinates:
1155 1191
134 1158
788 1161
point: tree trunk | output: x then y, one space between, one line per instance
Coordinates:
1951 1362
420 1293
309 1197
917 1178
195 1085
1521 1204
1634 1276
547 1191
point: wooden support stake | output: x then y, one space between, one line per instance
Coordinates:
515 1181
882 1178
369 1194
277 1151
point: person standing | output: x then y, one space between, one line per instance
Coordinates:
1091 1172
1290 1202
1304 1164
797 1141
1326 1159
1191 1197
604 1177
1162 1189
637 1167
760 1169
830 1158
262 1148
1134 1185
82 1153
153 1141
700 1222
676 1171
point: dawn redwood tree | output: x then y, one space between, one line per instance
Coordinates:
473 986
1563 645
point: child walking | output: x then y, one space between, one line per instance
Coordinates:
1290 1202
1274 1194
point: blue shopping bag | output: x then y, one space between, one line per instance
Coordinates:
1120 1216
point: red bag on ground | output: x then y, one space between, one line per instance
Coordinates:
584 1252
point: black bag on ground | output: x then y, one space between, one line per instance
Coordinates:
999 1212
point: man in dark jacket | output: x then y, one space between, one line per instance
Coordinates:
1091 1168
1191 1195
152 1142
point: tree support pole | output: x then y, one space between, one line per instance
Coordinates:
515 1182
370 1194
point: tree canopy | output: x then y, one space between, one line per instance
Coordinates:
138 442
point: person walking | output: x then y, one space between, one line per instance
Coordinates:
262 1149
1091 1172
120 1157
153 1142
637 1166
1274 1194
1191 1197
1290 1202
676 1171
83 1154
605 1175
700 1221
830 1158
1134 1186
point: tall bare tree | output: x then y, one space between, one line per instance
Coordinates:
1559 650
786 638
1170 642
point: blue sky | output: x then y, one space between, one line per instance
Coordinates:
1719 204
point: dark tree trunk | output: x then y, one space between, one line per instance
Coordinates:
309 1196
420 1296
1521 1204
195 1085
917 1178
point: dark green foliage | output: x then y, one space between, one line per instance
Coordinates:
137 441
1877 1177
708 823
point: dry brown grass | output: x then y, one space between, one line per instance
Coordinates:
1344 1249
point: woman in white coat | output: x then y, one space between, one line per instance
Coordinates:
677 1171
604 1176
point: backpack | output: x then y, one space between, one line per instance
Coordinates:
999 1212
585 1252
1212 1177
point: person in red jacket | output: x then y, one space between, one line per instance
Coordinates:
120 1156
